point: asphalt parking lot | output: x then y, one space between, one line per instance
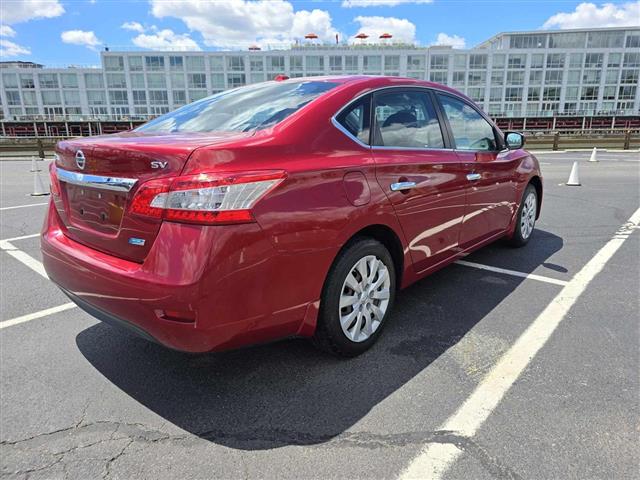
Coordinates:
528 372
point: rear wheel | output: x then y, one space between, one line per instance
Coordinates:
356 299
526 219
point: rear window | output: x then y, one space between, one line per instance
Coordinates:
240 110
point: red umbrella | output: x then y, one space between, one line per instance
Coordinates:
254 47
362 36
311 36
386 35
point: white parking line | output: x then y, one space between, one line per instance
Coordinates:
23 257
514 273
435 459
24 206
36 315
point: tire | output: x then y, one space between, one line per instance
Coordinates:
370 306
526 218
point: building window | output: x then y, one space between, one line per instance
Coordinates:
551 93
113 63
591 77
537 60
553 77
498 60
476 94
139 97
116 80
51 97
478 62
614 60
593 60
258 77
627 93
533 94
415 62
571 93
235 63
176 63
335 63
29 98
195 95
458 79
633 41
156 80
609 93
460 61
93 80
96 97
195 64
535 77
555 60
315 63
216 63
605 39
13 97
26 81
10 80
351 63
439 62
438 77
497 77
391 62
217 81
574 77
275 64
118 97
295 64
513 94
236 80
158 97
154 63
71 97
48 80
196 80
179 97
567 40
515 78
517 61
629 77
135 64
177 80
631 60
372 63
575 60
69 80
589 93
476 78
528 41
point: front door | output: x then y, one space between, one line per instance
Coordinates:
488 169
423 179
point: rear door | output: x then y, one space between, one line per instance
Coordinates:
489 170
424 180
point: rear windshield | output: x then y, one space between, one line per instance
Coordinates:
240 110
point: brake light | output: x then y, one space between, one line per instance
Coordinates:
205 198
55 186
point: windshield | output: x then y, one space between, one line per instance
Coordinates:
240 110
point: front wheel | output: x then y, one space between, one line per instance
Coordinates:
356 299
526 218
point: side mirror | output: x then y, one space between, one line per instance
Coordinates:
514 140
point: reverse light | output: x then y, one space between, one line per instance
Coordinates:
205 198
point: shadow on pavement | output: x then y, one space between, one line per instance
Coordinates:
288 393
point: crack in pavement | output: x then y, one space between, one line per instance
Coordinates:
137 433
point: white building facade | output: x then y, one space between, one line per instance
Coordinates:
518 74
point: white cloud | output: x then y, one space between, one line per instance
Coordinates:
81 37
10 49
401 29
23 10
450 40
589 15
379 3
7 31
240 23
133 26
166 40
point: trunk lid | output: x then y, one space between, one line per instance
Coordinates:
99 176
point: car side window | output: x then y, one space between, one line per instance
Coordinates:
470 130
406 119
356 118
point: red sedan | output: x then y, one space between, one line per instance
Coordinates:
288 208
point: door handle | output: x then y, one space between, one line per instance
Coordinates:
473 177
396 187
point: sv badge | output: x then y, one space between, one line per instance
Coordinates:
157 164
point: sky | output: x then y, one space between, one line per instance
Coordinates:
72 32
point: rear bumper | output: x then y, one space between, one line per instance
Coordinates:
222 279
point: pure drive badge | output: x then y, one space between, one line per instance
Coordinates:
137 241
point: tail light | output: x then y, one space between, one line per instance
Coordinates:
207 199
55 186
